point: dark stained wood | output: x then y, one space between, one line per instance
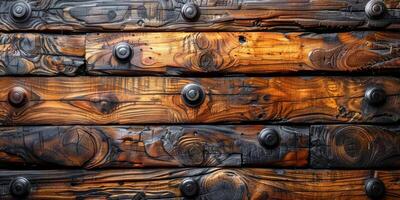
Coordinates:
41 54
149 146
336 146
109 15
179 53
214 183
133 100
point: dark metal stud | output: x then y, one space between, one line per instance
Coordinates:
374 188
17 96
269 138
375 96
189 187
190 12
375 9
122 51
20 11
193 95
20 187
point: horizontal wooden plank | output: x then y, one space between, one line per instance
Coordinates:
367 146
211 183
149 146
144 15
41 54
179 53
132 100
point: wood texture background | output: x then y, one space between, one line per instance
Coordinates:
233 15
41 54
234 184
182 53
123 100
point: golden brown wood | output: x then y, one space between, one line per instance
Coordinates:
214 183
123 100
109 15
41 54
149 146
178 53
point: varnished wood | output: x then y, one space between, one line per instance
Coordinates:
368 146
109 15
179 53
132 100
214 183
41 54
149 146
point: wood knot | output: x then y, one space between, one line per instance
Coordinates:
207 61
106 104
190 151
228 184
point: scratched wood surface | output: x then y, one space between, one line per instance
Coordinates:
41 54
367 146
214 183
150 146
132 100
160 15
180 53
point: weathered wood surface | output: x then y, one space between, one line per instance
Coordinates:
149 146
110 15
367 146
177 53
132 100
41 54
213 183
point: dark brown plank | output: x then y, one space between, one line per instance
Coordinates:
160 15
213 183
149 146
334 146
179 53
133 100
41 54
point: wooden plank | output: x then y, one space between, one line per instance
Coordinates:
213 183
151 146
41 54
138 100
334 146
145 15
179 53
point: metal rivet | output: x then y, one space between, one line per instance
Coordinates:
375 9
190 12
122 51
189 187
269 138
20 11
374 188
20 187
17 96
375 96
193 95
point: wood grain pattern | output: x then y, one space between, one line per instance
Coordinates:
149 146
108 15
179 53
123 100
367 146
41 54
214 183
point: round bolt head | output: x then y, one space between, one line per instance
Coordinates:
20 187
190 12
20 11
375 9
374 188
189 187
17 97
269 138
193 95
122 51
375 96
